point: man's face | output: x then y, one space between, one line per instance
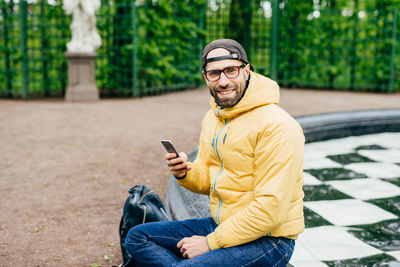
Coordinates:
226 92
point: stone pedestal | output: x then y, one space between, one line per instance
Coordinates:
81 77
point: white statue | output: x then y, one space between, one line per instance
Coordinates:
85 38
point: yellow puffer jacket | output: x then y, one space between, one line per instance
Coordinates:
250 162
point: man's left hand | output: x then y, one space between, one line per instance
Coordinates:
193 246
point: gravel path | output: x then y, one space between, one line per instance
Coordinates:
65 168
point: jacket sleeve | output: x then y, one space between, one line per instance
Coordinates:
278 162
197 179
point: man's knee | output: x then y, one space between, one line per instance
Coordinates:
136 233
135 236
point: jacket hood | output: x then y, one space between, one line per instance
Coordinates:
260 92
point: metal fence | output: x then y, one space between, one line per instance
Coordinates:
342 49
146 49
348 50
32 43
151 47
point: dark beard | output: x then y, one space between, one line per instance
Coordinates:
230 102
227 103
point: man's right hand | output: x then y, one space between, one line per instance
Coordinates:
178 166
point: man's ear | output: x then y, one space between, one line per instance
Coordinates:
204 76
247 70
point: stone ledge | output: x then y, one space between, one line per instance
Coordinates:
343 124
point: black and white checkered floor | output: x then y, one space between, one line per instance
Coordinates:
352 203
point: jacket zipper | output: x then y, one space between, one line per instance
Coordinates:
220 172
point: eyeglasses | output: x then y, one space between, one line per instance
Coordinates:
230 72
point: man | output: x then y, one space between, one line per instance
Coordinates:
250 163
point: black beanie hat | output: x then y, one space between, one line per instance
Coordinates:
235 49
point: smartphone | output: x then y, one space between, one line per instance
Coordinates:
169 147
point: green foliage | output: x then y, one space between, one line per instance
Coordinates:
240 15
161 47
148 47
333 44
153 46
46 34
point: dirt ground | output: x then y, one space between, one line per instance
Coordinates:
66 168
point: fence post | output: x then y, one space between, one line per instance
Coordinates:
353 59
274 40
7 60
109 45
393 53
135 88
247 17
63 70
45 77
202 25
24 48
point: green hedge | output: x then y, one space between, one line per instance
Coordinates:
154 46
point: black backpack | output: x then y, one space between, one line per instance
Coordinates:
141 206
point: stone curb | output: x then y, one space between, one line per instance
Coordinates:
343 124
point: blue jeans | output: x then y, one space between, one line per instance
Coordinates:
154 244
